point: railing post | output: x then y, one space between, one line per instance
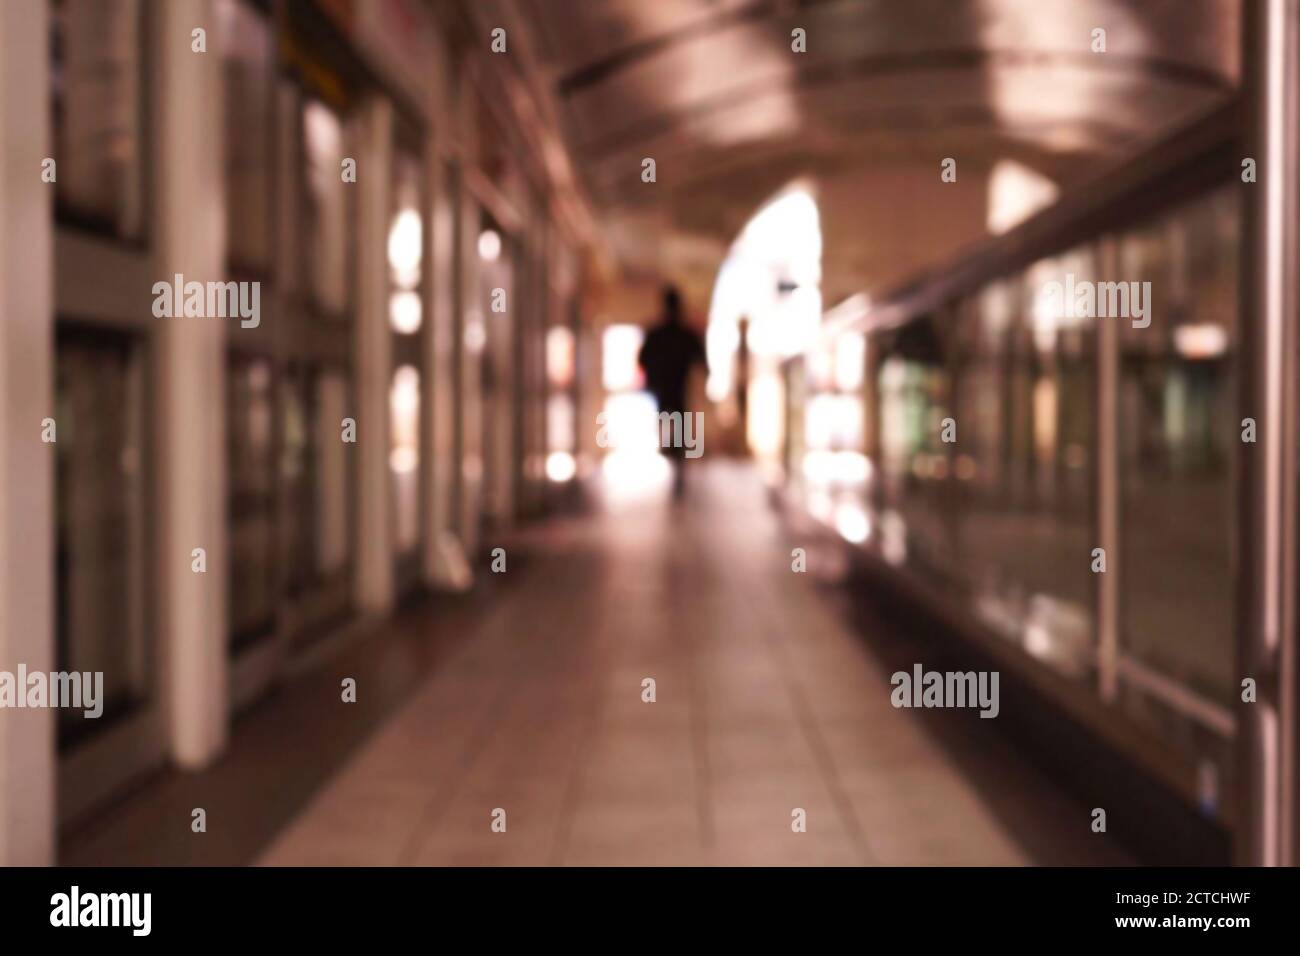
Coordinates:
1266 581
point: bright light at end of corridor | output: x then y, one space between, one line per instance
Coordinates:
770 278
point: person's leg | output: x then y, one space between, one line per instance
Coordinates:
678 461
672 445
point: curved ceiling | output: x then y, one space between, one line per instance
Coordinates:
714 93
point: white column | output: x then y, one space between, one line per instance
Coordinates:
374 566
27 748
189 238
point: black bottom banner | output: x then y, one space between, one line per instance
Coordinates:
334 906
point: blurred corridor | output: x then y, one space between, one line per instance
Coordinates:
335 523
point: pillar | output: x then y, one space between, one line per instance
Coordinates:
27 743
189 238
374 348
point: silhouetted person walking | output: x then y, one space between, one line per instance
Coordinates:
667 355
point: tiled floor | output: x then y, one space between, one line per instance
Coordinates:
766 701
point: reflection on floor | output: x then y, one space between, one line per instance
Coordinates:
765 703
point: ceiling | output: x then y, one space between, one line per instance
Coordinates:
712 91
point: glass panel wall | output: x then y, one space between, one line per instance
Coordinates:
1003 517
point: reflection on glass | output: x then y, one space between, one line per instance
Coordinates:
97 124
100 548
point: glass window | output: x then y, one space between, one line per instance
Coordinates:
1177 440
98 131
247 56
315 476
100 498
296 468
252 499
327 210
1049 514
333 476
